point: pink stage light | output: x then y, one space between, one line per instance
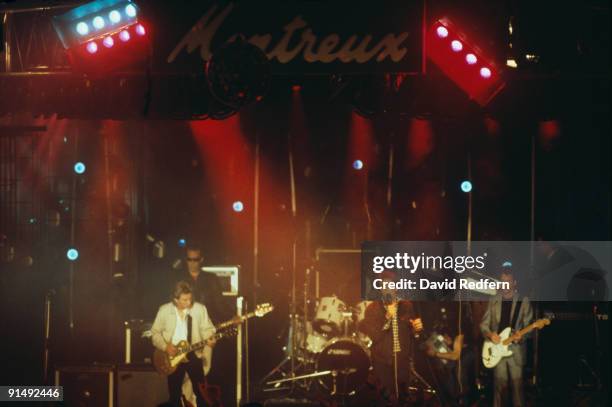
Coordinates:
471 59
456 45
485 72
442 32
92 47
108 42
124 36
140 30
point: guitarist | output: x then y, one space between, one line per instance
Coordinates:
508 309
183 320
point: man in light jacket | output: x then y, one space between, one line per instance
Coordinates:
508 310
183 320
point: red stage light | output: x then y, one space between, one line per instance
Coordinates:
108 42
475 73
92 47
296 88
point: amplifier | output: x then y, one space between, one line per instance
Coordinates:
86 386
140 385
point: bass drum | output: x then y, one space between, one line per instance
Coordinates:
350 363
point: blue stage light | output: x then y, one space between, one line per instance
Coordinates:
82 28
466 186
238 206
130 10
182 242
72 254
79 168
98 23
114 16
357 164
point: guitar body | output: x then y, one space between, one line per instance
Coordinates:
166 365
492 353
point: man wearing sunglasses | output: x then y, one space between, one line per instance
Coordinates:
206 286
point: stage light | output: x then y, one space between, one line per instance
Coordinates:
130 10
358 164
507 263
511 63
466 186
182 242
442 32
238 206
72 254
79 168
82 28
485 72
296 88
114 16
98 23
456 45
108 42
124 36
92 47
466 72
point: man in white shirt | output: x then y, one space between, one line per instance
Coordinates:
174 323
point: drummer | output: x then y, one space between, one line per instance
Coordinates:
378 326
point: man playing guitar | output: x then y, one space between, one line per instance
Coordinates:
183 320
508 310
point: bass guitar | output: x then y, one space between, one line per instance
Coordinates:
492 353
166 364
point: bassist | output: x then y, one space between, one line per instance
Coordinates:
183 320
508 309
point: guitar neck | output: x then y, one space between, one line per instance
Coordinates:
222 330
520 333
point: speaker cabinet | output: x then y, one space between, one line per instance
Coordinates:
86 386
140 385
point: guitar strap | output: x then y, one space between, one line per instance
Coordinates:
517 310
189 323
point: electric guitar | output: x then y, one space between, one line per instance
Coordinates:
166 364
492 353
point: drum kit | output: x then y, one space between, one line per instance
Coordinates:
328 349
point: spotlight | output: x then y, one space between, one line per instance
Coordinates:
82 28
108 42
238 206
130 10
79 168
442 32
124 36
92 47
72 254
461 59
140 30
98 23
485 72
466 186
358 164
182 242
296 88
114 16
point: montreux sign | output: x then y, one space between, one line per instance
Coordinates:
307 36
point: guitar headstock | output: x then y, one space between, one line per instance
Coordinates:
541 323
263 309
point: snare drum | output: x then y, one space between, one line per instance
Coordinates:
350 363
328 317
